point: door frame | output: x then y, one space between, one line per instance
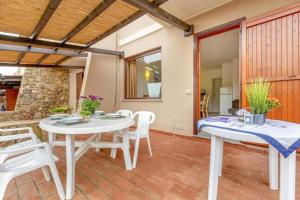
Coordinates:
197 38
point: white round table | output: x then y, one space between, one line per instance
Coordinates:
287 165
94 127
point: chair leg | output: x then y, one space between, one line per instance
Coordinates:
136 152
46 174
3 158
149 146
98 139
4 180
57 181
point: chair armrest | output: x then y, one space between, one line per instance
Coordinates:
6 138
29 129
16 151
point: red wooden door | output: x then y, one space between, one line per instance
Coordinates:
11 95
271 50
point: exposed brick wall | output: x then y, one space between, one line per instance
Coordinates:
40 90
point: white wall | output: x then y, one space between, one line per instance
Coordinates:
235 79
101 74
227 74
72 91
207 76
175 112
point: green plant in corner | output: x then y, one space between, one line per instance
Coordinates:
60 110
258 92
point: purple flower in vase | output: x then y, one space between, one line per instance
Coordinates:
94 97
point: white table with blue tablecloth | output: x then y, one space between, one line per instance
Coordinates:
282 137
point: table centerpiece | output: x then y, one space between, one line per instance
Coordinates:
259 100
88 105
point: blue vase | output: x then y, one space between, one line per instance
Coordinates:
259 119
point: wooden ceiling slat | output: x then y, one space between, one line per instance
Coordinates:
89 18
68 14
53 4
20 57
42 58
8 56
62 60
20 16
31 58
52 59
109 18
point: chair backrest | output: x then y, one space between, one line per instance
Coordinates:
127 113
145 118
205 102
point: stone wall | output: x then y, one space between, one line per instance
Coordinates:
40 90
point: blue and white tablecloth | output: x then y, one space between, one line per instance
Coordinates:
284 136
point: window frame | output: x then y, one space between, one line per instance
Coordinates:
134 57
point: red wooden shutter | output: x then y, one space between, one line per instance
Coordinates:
271 50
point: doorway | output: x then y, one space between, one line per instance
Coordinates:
217 69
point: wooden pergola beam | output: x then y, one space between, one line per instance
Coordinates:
20 57
88 19
10 47
60 45
40 66
123 23
41 59
161 14
53 4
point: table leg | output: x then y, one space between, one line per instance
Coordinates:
70 158
288 177
125 149
273 168
221 157
214 167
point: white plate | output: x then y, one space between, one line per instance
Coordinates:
112 115
70 120
58 116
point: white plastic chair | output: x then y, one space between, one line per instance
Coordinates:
145 118
126 113
25 157
28 134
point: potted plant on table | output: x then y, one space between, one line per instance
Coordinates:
89 104
258 97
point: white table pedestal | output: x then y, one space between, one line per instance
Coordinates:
92 128
287 170
73 156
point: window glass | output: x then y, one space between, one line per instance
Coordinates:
143 76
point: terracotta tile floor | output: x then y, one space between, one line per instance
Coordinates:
177 170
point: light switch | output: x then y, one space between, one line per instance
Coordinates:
188 92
